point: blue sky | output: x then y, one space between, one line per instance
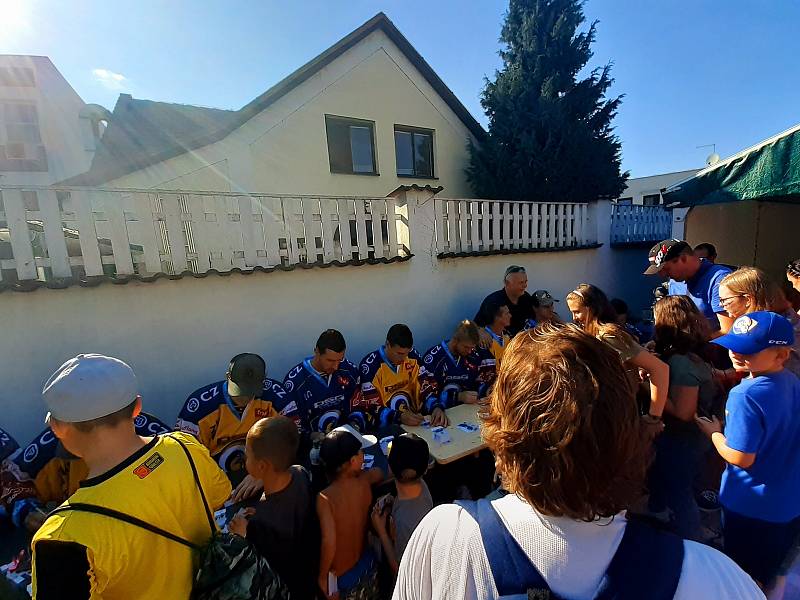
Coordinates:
693 72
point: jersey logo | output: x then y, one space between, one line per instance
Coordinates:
343 381
148 466
193 405
429 358
261 413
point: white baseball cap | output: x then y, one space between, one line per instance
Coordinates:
88 387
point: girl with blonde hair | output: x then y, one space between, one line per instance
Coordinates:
592 311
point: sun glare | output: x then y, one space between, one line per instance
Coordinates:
14 19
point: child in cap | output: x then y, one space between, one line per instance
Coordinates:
283 525
408 459
761 444
347 564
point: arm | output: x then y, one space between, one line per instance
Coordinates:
744 460
725 323
682 402
328 541
379 523
713 429
659 379
374 476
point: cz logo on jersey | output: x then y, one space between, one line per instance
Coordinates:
148 466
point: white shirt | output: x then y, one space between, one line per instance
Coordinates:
445 559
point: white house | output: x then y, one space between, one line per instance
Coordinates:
365 117
646 191
47 133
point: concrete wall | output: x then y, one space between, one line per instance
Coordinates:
283 150
761 234
58 107
179 335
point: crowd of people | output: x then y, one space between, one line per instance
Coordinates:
602 434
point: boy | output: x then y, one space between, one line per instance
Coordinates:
283 525
761 444
347 565
408 459
93 402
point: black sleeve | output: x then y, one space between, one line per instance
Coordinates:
62 571
479 316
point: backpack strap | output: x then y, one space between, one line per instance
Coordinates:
512 570
647 563
211 523
119 516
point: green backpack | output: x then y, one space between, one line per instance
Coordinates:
230 568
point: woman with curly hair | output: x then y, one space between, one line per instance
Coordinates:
681 334
571 450
592 311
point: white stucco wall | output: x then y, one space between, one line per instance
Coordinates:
283 149
179 335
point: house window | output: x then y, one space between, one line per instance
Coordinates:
627 200
17 77
651 200
413 150
21 147
351 145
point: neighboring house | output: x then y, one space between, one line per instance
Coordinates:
646 191
361 119
47 133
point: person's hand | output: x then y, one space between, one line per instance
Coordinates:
709 426
238 525
439 418
35 520
249 487
379 515
411 419
468 397
485 339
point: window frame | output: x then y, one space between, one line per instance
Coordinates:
10 164
416 130
352 121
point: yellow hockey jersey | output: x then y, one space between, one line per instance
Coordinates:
388 389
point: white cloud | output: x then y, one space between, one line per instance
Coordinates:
110 79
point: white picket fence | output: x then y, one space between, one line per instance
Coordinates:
634 224
467 226
49 232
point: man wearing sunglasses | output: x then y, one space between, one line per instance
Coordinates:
514 296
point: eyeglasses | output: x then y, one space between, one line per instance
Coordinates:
724 301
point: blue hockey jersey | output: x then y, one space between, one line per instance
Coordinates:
7 444
443 377
324 402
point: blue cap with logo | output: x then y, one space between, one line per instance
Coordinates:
757 331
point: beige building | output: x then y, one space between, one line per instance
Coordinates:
363 118
47 133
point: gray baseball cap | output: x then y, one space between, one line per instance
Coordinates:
88 387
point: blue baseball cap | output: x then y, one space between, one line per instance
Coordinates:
757 331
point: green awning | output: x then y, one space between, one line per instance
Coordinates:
769 171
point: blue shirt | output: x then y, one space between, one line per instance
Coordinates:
324 402
703 289
762 418
443 377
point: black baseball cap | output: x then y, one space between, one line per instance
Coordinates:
246 375
664 251
408 452
339 446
